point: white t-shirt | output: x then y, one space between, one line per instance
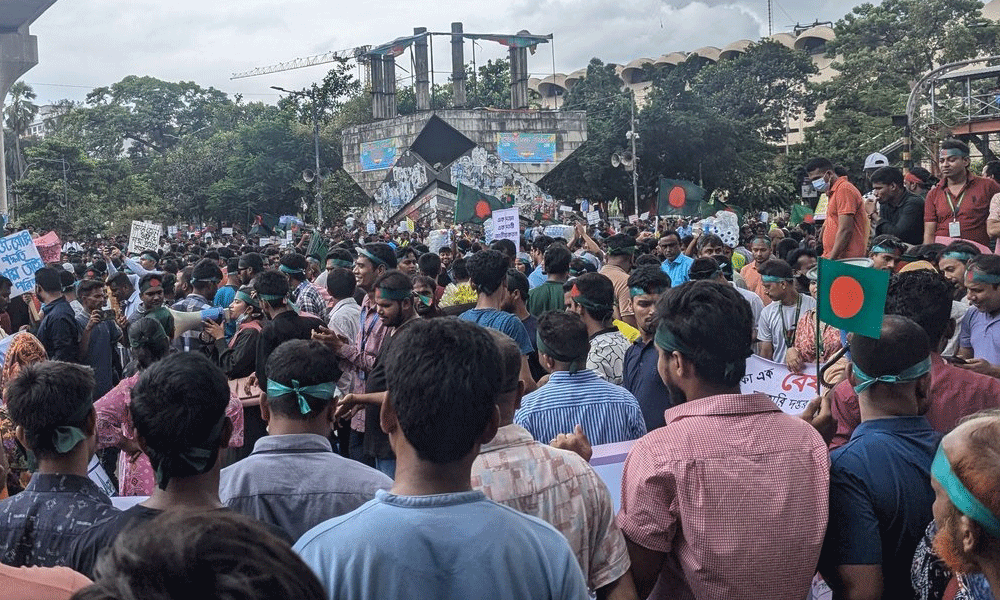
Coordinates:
756 304
776 319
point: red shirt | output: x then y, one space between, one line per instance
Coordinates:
972 212
955 392
736 493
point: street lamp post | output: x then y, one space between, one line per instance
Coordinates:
319 177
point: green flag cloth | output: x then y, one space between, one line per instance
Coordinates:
800 213
852 297
317 247
473 206
680 198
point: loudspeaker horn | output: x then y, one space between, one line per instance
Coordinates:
187 321
627 159
616 160
308 175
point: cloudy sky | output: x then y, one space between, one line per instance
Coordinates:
88 43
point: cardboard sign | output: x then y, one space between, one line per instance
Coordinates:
507 226
593 218
144 236
565 208
633 218
608 462
227 231
19 259
49 247
791 392
644 216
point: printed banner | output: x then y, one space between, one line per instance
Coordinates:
790 391
377 155
144 236
49 247
227 231
516 147
593 218
507 226
19 259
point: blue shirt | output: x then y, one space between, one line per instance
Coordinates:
223 298
981 332
504 322
458 545
881 497
677 269
608 413
643 380
537 277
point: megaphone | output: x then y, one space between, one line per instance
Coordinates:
187 321
616 160
308 175
627 159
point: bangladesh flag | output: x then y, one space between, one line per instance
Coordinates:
852 297
473 206
679 198
800 213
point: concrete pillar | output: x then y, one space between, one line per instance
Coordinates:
423 82
18 53
375 68
518 78
458 65
389 86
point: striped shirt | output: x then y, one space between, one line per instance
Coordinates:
607 412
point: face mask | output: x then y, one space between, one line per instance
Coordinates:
820 185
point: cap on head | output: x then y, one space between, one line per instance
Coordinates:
876 160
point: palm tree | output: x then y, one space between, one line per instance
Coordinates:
20 112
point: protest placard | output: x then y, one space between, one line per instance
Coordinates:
791 392
227 231
19 259
560 231
565 208
507 226
593 218
370 228
172 230
608 461
633 218
644 216
437 239
49 247
289 238
144 236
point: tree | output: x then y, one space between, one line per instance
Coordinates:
19 114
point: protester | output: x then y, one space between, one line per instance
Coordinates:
100 337
205 279
40 583
640 377
688 505
714 269
24 350
306 297
58 331
593 297
675 264
211 554
621 250
425 298
431 536
51 403
549 294
515 303
845 231
779 320
901 212
959 205
272 289
539 246
979 344
293 480
760 246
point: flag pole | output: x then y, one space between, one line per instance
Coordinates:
819 288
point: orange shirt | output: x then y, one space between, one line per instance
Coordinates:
754 283
845 200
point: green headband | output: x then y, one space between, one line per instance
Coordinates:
949 152
190 461
247 299
980 276
959 256
621 251
271 297
881 250
149 255
375 260
338 262
666 340
575 363
384 293
762 238
290 271
773 279
160 334
638 291
961 497
908 375
320 391
587 303
426 300
66 437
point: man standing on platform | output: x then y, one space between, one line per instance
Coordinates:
959 205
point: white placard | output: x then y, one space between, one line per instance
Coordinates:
790 391
227 231
507 226
633 218
370 228
98 475
171 230
565 208
593 218
763 217
144 236
437 239
289 238
644 216
19 259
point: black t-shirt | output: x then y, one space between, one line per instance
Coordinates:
376 441
89 544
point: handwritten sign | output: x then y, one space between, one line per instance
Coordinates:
593 218
507 226
633 218
227 231
144 236
19 259
437 239
172 230
49 247
791 392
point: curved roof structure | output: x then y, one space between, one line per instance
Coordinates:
709 53
553 85
633 72
533 83
814 38
735 49
785 39
574 77
672 59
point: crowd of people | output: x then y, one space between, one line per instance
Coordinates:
230 417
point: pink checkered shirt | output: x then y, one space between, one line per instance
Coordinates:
735 493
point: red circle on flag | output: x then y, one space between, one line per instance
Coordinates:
847 297
483 209
677 196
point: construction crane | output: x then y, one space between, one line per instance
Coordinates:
340 56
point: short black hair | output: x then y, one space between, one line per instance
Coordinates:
541 243
647 260
67 280
903 344
819 164
272 284
505 246
205 271
220 553
86 287
599 293
294 262
309 363
253 261
955 144
651 279
795 255
888 241
177 405
705 267
149 339
460 268
776 268
620 244
887 176
383 252
47 395
340 254
924 296
48 279
557 259
671 232
443 380
564 333
709 240
518 281
961 246
394 280
487 270
695 313
784 247
341 283
429 264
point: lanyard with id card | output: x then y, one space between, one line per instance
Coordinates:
954 227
